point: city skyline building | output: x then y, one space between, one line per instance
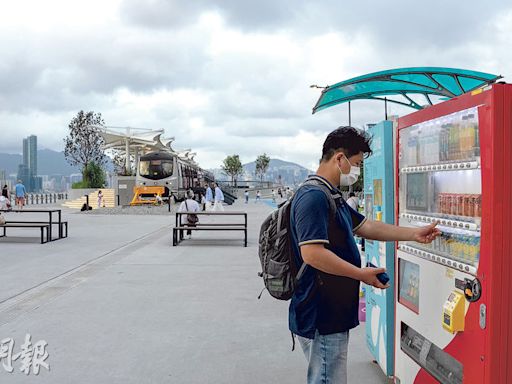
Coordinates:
30 153
27 172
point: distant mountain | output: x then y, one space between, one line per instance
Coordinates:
48 163
291 173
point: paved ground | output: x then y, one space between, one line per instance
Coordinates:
118 304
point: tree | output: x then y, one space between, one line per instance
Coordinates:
84 144
95 175
262 163
232 166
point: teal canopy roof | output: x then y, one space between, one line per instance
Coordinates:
405 83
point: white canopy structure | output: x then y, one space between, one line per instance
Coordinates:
138 141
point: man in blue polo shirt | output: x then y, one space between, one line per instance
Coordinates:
21 192
324 306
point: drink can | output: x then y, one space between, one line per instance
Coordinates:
468 206
453 206
478 205
448 204
440 203
460 205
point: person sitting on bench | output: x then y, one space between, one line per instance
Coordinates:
189 205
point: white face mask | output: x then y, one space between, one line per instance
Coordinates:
351 177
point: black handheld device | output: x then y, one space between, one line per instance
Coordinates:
383 277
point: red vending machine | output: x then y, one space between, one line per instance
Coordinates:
453 309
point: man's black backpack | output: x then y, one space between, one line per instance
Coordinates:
280 271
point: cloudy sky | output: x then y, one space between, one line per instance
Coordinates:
225 77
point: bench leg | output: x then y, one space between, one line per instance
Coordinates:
245 241
42 235
174 237
4 233
63 230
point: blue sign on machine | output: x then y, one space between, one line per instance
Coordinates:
379 205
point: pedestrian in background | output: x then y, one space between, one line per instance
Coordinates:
189 205
208 197
246 194
100 199
21 193
5 199
219 199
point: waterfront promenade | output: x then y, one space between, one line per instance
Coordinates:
116 303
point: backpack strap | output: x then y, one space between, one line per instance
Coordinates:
332 194
333 197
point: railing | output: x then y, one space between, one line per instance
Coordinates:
41 198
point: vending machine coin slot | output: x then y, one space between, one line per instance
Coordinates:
472 290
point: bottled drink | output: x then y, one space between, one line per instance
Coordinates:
462 137
443 143
432 147
412 148
473 121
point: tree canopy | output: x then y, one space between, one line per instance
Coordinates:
262 163
232 166
84 144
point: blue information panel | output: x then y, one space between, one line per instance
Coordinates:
379 205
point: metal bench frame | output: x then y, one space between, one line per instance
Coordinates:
177 231
29 225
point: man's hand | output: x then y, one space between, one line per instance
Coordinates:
369 276
426 235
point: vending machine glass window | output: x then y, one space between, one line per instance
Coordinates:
440 181
417 192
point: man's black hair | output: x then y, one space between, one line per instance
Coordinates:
349 140
351 194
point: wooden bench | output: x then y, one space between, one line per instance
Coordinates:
178 230
42 226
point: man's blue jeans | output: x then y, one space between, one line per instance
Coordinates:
327 358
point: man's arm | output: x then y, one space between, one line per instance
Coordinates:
376 230
324 260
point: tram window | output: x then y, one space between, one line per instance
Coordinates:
167 168
155 169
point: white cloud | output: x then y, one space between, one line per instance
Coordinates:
222 78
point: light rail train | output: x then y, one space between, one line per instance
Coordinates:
166 174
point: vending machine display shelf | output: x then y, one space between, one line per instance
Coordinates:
461 266
458 166
470 226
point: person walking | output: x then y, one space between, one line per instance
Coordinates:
258 196
246 194
273 196
325 303
189 205
100 199
21 193
209 197
219 199
5 198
